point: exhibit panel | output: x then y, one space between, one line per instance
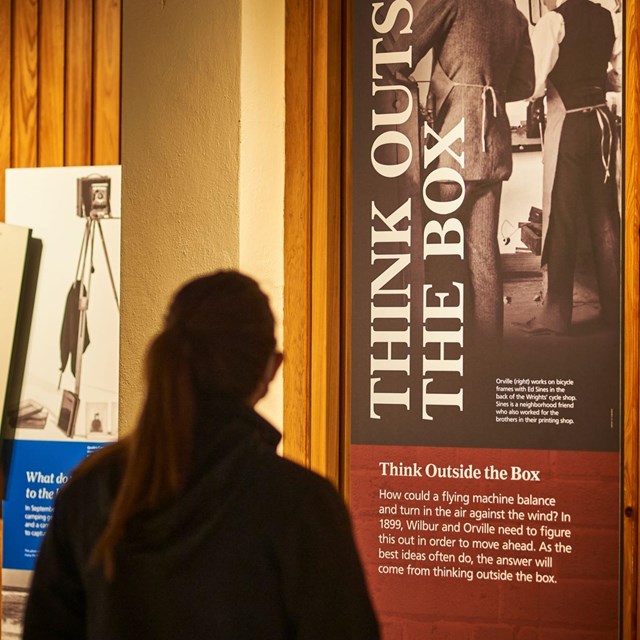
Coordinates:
62 399
13 252
485 333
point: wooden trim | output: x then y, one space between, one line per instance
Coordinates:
630 593
78 139
345 457
297 235
5 97
325 238
106 85
51 84
312 234
24 84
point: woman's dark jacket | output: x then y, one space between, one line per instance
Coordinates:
255 548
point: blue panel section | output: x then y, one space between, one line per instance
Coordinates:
35 470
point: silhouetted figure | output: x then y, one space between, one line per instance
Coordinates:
192 526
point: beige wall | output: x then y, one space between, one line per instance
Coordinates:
180 159
262 163
182 178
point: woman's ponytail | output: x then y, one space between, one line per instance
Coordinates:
218 340
157 452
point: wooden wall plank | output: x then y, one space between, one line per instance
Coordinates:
51 83
24 87
5 97
106 85
325 237
630 586
312 331
78 140
297 234
347 186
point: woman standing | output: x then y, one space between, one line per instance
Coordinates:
193 527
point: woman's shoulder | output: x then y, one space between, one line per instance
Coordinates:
291 485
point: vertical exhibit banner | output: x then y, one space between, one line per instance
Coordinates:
485 396
62 395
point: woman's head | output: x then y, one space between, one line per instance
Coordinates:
224 327
217 340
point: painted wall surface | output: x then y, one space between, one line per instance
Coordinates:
262 163
203 161
180 157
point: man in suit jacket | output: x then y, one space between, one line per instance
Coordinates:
482 59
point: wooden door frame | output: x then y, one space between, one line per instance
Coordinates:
631 352
312 234
317 260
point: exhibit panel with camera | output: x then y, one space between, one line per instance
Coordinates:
485 453
61 400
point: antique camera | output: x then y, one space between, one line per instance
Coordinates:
94 197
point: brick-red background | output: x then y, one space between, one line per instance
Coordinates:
584 603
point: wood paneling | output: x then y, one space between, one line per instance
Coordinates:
345 344
51 83
5 96
312 235
326 172
106 86
24 86
78 134
630 585
297 234
59 84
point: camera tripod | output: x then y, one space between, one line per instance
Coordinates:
83 274
83 278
